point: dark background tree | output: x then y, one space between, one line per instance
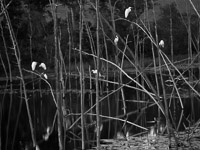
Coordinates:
33 26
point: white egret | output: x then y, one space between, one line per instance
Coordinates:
152 131
45 76
46 136
120 135
33 65
100 128
43 66
116 40
161 43
95 72
127 11
127 135
37 147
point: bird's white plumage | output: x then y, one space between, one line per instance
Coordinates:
37 147
46 136
161 43
127 11
48 129
116 40
95 72
43 66
33 65
45 76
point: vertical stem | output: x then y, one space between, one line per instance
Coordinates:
154 62
91 97
69 28
172 59
136 42
62 90
107 73
171 36
58 98
122 91
198 46
112 9
189 62
81 73
18 116
116 78
97 77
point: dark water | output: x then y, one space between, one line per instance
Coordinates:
15 129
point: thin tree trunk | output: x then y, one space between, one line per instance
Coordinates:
58 97
97 76
81 74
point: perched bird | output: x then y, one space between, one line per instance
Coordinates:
127 11
43 66
116 40
152 131
100 128
120 136
161 43
46 136
95 72
33 65
45 76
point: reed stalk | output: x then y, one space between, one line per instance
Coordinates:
107 74
97 76
62 70
172 59
122 91
195 9
81 74
58 96
92 42
116 51
18 116
190 56
154 59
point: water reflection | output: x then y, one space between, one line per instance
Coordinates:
140 110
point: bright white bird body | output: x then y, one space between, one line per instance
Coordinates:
95 72
33 65
127 11
116 40
43 66
45 76
46 136
161 43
